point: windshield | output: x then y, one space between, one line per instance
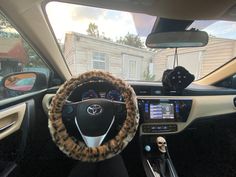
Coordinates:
114 41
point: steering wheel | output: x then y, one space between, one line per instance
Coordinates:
93 119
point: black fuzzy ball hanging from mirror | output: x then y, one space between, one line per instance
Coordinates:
176 79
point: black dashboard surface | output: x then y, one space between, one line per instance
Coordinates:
156 89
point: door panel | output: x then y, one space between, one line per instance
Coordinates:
132 67
16 122
11 119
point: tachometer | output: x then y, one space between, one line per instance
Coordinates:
114 95
89 94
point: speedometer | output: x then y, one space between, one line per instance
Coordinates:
89 94
114 95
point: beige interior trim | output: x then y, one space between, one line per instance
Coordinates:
227 70
46 102
11 119
202 107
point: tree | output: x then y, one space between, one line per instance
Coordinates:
131 40
4 23
102 36
4 27
33 59
93 30
148 76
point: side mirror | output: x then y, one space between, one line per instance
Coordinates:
25 81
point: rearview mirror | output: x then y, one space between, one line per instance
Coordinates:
178 39
25 81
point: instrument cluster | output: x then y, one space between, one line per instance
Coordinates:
96 90
110 94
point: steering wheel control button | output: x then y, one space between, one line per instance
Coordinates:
94 109
69 109
68 112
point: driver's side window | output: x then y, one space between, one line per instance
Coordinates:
17 56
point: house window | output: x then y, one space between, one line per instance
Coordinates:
99 61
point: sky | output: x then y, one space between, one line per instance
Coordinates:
221 29
115 24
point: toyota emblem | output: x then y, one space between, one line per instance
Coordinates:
94 109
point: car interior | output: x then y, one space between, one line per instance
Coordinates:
117 88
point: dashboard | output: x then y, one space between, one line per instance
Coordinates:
193 108
161 113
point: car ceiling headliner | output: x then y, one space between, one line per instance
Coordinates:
172 9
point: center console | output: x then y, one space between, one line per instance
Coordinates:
159 117
156 159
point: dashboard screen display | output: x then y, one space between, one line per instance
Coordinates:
165 110
162 111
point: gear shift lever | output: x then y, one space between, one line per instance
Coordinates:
161 144
162 164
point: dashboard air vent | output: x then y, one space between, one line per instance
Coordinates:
146 90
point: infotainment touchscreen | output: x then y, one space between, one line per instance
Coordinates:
164 110
161 111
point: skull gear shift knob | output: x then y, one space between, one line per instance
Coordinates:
161 144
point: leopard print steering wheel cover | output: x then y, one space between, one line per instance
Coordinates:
77 149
